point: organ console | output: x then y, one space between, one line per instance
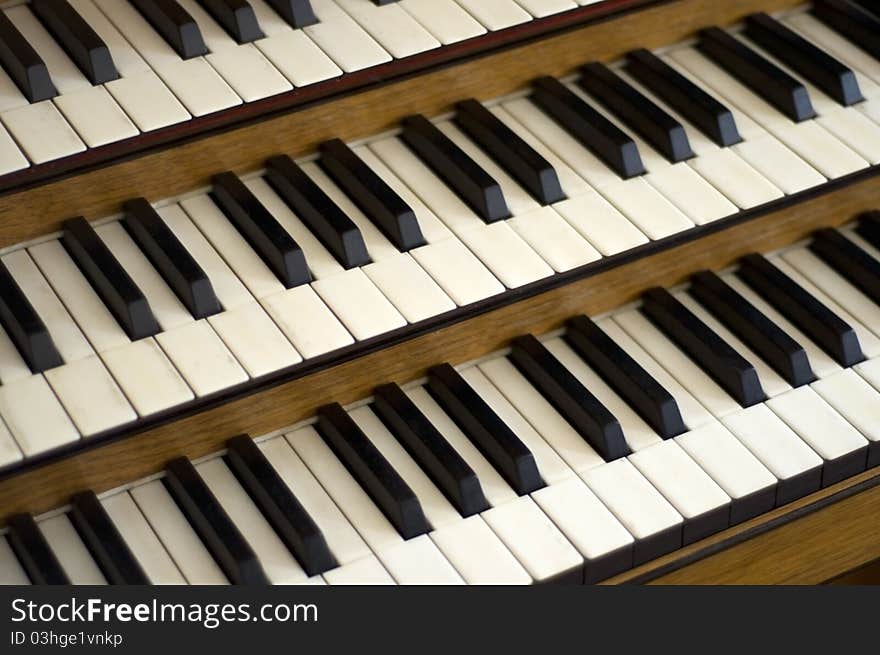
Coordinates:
439 291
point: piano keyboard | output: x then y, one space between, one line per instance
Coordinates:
127 67
566 458
127 318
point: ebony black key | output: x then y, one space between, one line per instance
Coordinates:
261 229
599 427
317 210
178 268
833 77
372 471
763 77
87 50
871 6
699 342
25 327
708 115
510 151
463 175
785 355
26 68
108 548
236 17
109 279
218 533
383 2
288 517
626 376
848 259
599 135
446 468
382 205
827 329
492 436
33 551
854 22
869 227
635 109
175 25
297 13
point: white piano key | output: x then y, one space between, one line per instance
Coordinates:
555 430
409 288
871 109
177 535
141 540
735 178
9 450
695 197
95 116
506 254
12 365
418 561
357 302
342 539
277 561
445 19
680 366
11 157
365 571
637 433
148 379
11 572
478 554
822 149
870 371
297 57
91 397
201 357
250 74
42 132
534 540
34 416
554 239
71 343
71 552
304 318
855 399
550 465
854 129
600 223
458 272
10 95
254 339
398 32
344 41
147 101
650 211
779 164
496 14
542 8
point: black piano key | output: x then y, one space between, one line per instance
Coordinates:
79 40
588 126
785 355
317 210
297 13
660 129
372 471
236 17
599 427
23 64
175 25
446 468
221 537
104 542
827 329
848 259
464 176
492 436
699 342
109 279
288 517
626 376
764 78
33 552
869 227
262 230
383 2
25 327
871 6
827 73
711 117
509 150
854 22
388 211
178 268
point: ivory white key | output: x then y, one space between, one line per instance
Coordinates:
254 340
141 540
297 57
176 534
12 366
478 554
703 504
309 324
637 433
343 40
34 416
445 19
9 450
554 239
736 178
398 32
42 132
855 399
779 164
202 358
870 370
496 14
506 254
458 272
535 541
10 95
96 116
147 101
70 551
361 307
600 223
342 539
365 571
409 288
555 430
418 561
599 537
541 8
11 157
277 561
646 515
11 572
